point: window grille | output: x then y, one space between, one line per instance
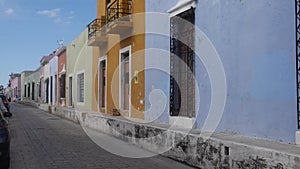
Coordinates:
80 80
182 85
298 58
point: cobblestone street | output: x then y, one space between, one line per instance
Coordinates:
42 141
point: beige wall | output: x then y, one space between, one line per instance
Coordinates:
80 60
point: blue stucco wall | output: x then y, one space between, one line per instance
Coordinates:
157 61
256 44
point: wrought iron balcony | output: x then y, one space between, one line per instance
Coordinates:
118 16
97 32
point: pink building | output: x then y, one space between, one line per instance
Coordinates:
15 86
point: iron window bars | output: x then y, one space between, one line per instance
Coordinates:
96 25
297 8
182 65
118 9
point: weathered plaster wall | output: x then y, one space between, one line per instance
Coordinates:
218 151
255 41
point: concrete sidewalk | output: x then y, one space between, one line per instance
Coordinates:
203 150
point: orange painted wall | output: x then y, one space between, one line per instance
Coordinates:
137 43
113 73
101 8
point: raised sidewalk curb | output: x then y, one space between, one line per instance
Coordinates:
217 151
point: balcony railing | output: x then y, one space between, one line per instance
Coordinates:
96 25
118 10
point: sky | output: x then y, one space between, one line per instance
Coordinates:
31 29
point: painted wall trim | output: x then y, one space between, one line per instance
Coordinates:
77 94
181 6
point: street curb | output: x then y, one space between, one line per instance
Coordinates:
194 148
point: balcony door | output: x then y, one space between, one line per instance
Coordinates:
102 83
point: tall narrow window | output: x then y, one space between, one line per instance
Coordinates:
47 91
80 87
102 85
25 87
182 85
33 91
62 86
55 99
51 89
40 88
125 85
70 91
28 90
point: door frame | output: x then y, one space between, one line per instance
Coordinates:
124 50
101 59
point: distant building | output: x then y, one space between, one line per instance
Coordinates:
25 85
15 86
61 88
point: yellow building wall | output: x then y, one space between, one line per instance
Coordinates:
113 73
101 8
137 43
138 60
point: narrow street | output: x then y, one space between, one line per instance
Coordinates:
43 141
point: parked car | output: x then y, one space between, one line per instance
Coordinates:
4 143
5 102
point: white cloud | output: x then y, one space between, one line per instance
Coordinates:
9 11
57 20
70 17
50 13
57 15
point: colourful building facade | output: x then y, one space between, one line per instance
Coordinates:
186 63
31 84
135 80
79 74
113 33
